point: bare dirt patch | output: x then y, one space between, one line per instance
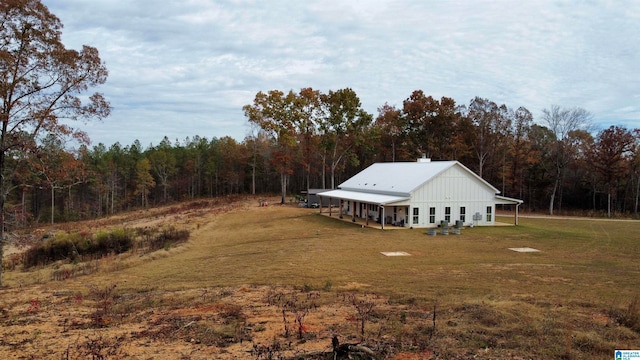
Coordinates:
163 305
257 322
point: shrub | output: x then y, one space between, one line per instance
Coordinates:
56 248
629 317
105 298
77 246
73 246
117 241
168 237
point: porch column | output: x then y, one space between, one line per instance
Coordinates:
340 210
516 216
383 218
320 207
366 212
330 201
353 212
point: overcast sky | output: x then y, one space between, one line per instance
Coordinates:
180 68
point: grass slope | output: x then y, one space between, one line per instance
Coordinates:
594 260
567 301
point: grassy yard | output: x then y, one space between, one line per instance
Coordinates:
579 260
575 298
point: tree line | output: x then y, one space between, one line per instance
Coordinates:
308 139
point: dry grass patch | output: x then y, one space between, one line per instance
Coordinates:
255 282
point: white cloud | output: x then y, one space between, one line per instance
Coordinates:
196 63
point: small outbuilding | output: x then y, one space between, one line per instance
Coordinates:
420 194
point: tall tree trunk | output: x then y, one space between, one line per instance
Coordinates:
3 197
637 195
324 171
283 186
253 178
23 204
164 192
560 192
553 193
113 196
393 151
52 202
481 161
333 176
308 178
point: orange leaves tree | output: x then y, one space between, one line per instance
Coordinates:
430 125
391 127
275 112
611 156
343 127
42 85
300 124
56 168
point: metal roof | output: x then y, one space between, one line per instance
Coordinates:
401 178
363 196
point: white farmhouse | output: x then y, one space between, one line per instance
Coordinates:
418 194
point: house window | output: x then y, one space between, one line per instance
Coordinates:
416 214
463 212
489 209
447 214
432 215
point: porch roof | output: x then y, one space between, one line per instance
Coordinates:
503 200
364 197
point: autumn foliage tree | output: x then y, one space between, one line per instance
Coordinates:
519 150
490 126
390 125
342 128
611 156
429 125
41 82
309 111
275 113
56 168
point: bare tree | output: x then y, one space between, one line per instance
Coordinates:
562 122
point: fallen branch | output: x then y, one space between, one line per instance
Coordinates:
342 351
184 327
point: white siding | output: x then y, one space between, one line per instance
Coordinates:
454 188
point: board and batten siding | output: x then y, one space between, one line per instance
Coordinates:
454 188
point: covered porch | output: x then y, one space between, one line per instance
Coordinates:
362 222
373 210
